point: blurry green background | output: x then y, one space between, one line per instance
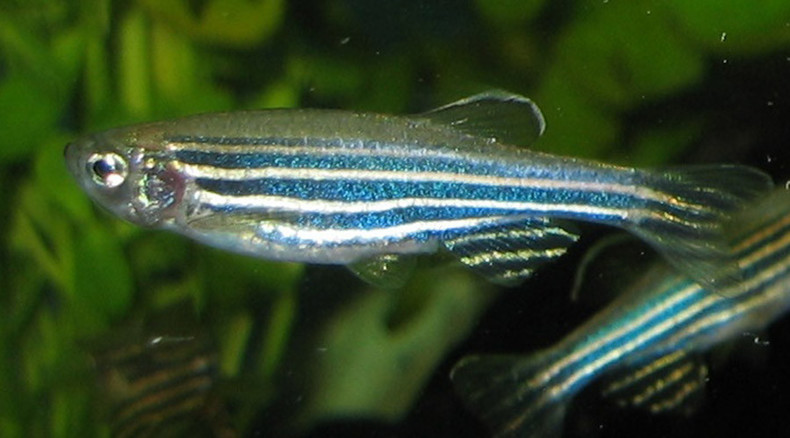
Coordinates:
637 82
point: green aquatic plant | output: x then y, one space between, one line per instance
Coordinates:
69 272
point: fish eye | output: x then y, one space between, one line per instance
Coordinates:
107 169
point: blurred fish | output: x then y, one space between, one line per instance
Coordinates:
364 190
161 385
646 344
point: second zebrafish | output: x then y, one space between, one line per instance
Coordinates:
647 344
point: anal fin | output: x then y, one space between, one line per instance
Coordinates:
507 254
671 383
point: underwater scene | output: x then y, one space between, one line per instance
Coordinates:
405 218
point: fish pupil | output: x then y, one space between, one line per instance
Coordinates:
102 168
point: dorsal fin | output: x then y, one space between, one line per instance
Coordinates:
505 117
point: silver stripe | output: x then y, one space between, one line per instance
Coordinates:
361 235
501 256
622 331
512 234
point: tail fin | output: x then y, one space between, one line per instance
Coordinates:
685 221
503 392
762 219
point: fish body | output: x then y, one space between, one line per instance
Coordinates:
338 187
646 344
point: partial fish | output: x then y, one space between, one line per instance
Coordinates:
364 190
161 385
647 343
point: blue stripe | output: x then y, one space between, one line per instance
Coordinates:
657 300
766 240
779 256
349 190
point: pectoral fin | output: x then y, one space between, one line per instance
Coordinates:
386 271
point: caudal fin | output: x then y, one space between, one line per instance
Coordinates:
504 392
684 218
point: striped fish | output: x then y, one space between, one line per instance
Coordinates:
360 189
160 385
647 344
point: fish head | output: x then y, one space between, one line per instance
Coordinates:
127 172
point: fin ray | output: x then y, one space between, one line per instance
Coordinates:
508 118
673 382
507 254
385 271
688 229
498 389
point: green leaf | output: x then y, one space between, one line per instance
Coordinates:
135 65
509 12
235 335
68 49
620 61
28 117
329 77
360 345
574 125
734 25
229 22
102 280
278 333
41 234
54 181
656 147
40 351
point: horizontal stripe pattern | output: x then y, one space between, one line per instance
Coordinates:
309 191
155 385
311 173
507 254
666 315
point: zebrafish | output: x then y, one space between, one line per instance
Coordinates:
647 345
362 189
160 384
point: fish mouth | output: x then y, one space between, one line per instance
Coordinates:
75 156
68 152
